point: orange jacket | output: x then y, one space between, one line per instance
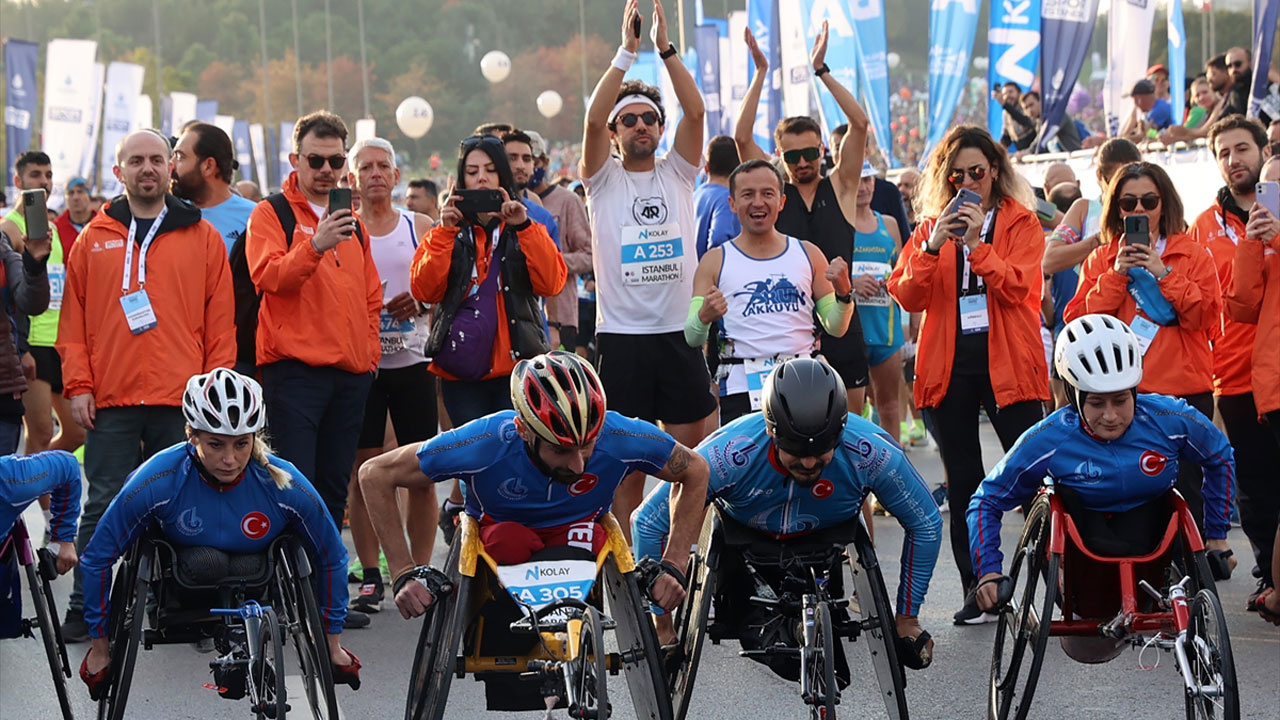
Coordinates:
1233 341
322 310
429 278
1010 267
1179 361
1254 297
189 286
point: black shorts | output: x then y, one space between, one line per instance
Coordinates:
847 355
655 377
909 370
48 366
586 322
410 395
568 337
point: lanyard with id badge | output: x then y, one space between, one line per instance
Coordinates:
652 254
137 306
974 317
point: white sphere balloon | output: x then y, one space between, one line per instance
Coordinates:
415 116
981 62
495 66
550 103
894 59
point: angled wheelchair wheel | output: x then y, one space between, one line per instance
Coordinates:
879 629
1210 662
266 675
435 660
637 644
299 618
589 689
1023 628
51 634
129 595
691 616
821 668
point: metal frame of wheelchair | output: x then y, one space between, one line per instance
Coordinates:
247 634
40 569
575 657
1188 620
817 615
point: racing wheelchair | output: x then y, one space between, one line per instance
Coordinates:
248 605
40 568
793 589
533 633
1053 591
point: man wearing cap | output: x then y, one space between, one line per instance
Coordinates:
79 212
203 163
1149 112
575 241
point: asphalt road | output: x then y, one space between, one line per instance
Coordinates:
168 683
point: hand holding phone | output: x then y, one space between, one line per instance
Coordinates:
38 243
1268 195
1137 230
472 202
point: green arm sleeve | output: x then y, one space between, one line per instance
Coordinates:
695 331
831 313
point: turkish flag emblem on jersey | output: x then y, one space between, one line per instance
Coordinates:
584 484
255 525
1152 463
822 489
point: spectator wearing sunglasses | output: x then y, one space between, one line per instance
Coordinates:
318 322
1174 324
974 271
1240 68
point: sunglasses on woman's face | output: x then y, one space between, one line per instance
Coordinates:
975 173
335 161
1129 203
809 153
649 117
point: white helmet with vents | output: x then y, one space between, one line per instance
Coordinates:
224 402
1098 354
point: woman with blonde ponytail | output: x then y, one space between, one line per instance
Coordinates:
222 488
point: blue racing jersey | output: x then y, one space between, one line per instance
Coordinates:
1109 476
502 482
169 491
748 482
23 479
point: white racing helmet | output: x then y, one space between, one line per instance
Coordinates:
224 402
1098 354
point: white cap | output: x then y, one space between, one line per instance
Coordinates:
539 144
868 170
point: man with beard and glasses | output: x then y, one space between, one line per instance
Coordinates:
1240 69
1239 146
644 236
203 163
818 209
148 303
541 475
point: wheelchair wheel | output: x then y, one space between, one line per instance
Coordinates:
1210 662
822 666
299 617
879 629
637 645
589 677
266 676
691 616
1023 628
436 658
51 633
128 607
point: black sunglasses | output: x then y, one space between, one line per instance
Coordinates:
809 153
335 161
1129 203
649 117
476 141
976 173
1236 64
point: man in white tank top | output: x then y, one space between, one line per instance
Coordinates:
763 289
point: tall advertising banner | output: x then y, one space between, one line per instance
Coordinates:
952 27
244 152
258 142
182 110
119 117
873 59
225 123
842 53
20 58
1014 37
1266 14
146 117
739 62
762 15
706 42
68 102
1127 56
1177 60
1066 29
206 111
366 128
89 157
283 148
796 70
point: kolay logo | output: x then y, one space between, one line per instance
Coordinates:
1152 463
546 573
255 525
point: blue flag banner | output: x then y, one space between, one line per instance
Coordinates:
706 41
762 18
873 47
1266 13
842 53
206 110
283 148
1177 61
244 149
20 101
952 27
1066 30
1014 37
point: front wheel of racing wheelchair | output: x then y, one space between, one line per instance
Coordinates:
40 569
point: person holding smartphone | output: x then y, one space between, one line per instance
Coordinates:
972 266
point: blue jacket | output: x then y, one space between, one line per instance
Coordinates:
25 478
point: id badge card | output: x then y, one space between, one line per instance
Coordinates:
138 312
973 314
652 254
57 281
757 371
1145 330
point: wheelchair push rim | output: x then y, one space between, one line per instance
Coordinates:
1211 665
637 642
51 636
820 669
691 616
299 617
880 631
126 629
585 675
436 658
267 674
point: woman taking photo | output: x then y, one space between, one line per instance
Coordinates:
973 269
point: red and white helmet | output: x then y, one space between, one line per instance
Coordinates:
559 396
224 402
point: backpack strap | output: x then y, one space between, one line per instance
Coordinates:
284 213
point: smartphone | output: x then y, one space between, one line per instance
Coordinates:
1137 230
1046 210
339 199
635 26
1269 196
964 197
35 214
471 202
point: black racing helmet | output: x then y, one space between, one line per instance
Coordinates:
805 407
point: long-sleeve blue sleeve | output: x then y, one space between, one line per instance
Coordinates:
307 514
906 496
1208 446
23 479
1013 482
651 523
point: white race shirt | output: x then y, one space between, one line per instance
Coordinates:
393 256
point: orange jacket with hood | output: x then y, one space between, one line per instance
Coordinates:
1254 297
1233 341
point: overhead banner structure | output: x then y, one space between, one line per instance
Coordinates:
20 58
68 102
89 158
119 117
1126 59
952 27
1066 29
1014 39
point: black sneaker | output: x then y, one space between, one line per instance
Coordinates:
970 614
449 513
74 628
355 621
370 598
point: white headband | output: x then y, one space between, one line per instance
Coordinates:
632 100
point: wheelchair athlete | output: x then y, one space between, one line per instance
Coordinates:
1111 452
22 481
801 465
538 476
224 489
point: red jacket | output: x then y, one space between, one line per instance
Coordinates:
1254 297
67 231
